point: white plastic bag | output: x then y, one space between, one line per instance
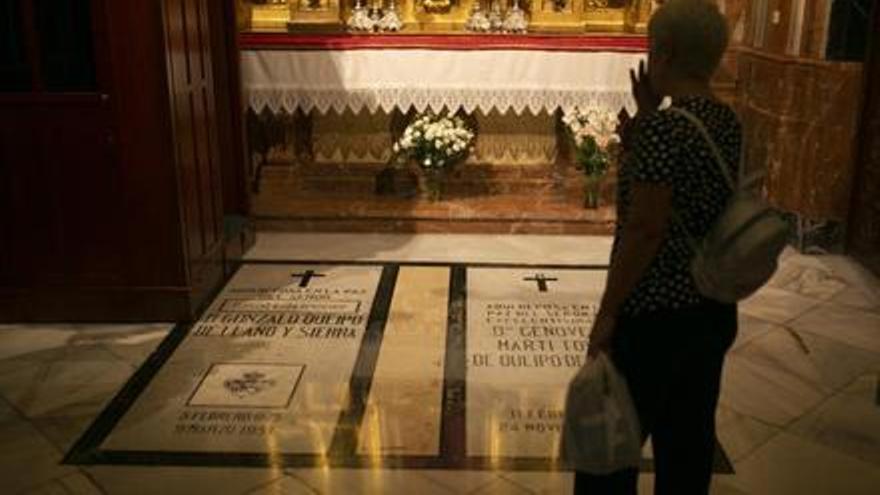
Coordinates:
600 432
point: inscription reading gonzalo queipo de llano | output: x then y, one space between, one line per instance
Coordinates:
271 358
295 313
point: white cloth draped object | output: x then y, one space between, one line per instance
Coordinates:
388 79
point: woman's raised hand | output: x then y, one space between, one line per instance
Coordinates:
646 98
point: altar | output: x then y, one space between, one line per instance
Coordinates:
324 109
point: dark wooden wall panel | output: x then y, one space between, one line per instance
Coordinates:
196 133
229 107
151 236
112 199
64 189
864 225
178 75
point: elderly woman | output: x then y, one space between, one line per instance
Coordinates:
667 339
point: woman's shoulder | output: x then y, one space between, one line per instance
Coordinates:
716 116
709 109
662 121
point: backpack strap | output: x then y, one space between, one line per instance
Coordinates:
719 160
716 152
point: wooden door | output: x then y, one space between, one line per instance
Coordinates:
58 183
195 128
230 106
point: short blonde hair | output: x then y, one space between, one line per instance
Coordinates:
696 32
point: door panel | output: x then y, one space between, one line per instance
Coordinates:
57 156
191 87
63 192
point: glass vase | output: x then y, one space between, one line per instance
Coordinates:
431 185
592 191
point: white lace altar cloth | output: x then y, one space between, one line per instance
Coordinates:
388 79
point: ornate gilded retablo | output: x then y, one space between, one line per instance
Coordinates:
447 16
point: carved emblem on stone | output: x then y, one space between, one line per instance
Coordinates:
250 383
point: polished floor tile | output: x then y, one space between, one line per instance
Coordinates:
779 377
542 483
369 481
855 297
288 485
776 305
721 485
848 422
502 486
21 340
740 434
50 388
808 357
851 326
460 481
27 459
816 281
750 328
789 465
776 397
71 484
64 428
152 480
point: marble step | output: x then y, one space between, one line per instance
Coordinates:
362 181
456 214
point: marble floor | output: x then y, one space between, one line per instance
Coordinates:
799 413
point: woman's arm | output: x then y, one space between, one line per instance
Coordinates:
640 239
647 221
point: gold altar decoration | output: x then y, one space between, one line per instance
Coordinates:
267 15
449 16
315 15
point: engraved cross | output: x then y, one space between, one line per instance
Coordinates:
306 277
542 280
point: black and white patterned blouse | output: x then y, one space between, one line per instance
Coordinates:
669 150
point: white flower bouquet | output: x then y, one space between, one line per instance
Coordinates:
434 142
594 133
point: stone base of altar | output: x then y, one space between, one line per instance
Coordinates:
476 199
328 172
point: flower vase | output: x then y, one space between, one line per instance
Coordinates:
431 184
592 191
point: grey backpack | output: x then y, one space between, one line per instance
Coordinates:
741 250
